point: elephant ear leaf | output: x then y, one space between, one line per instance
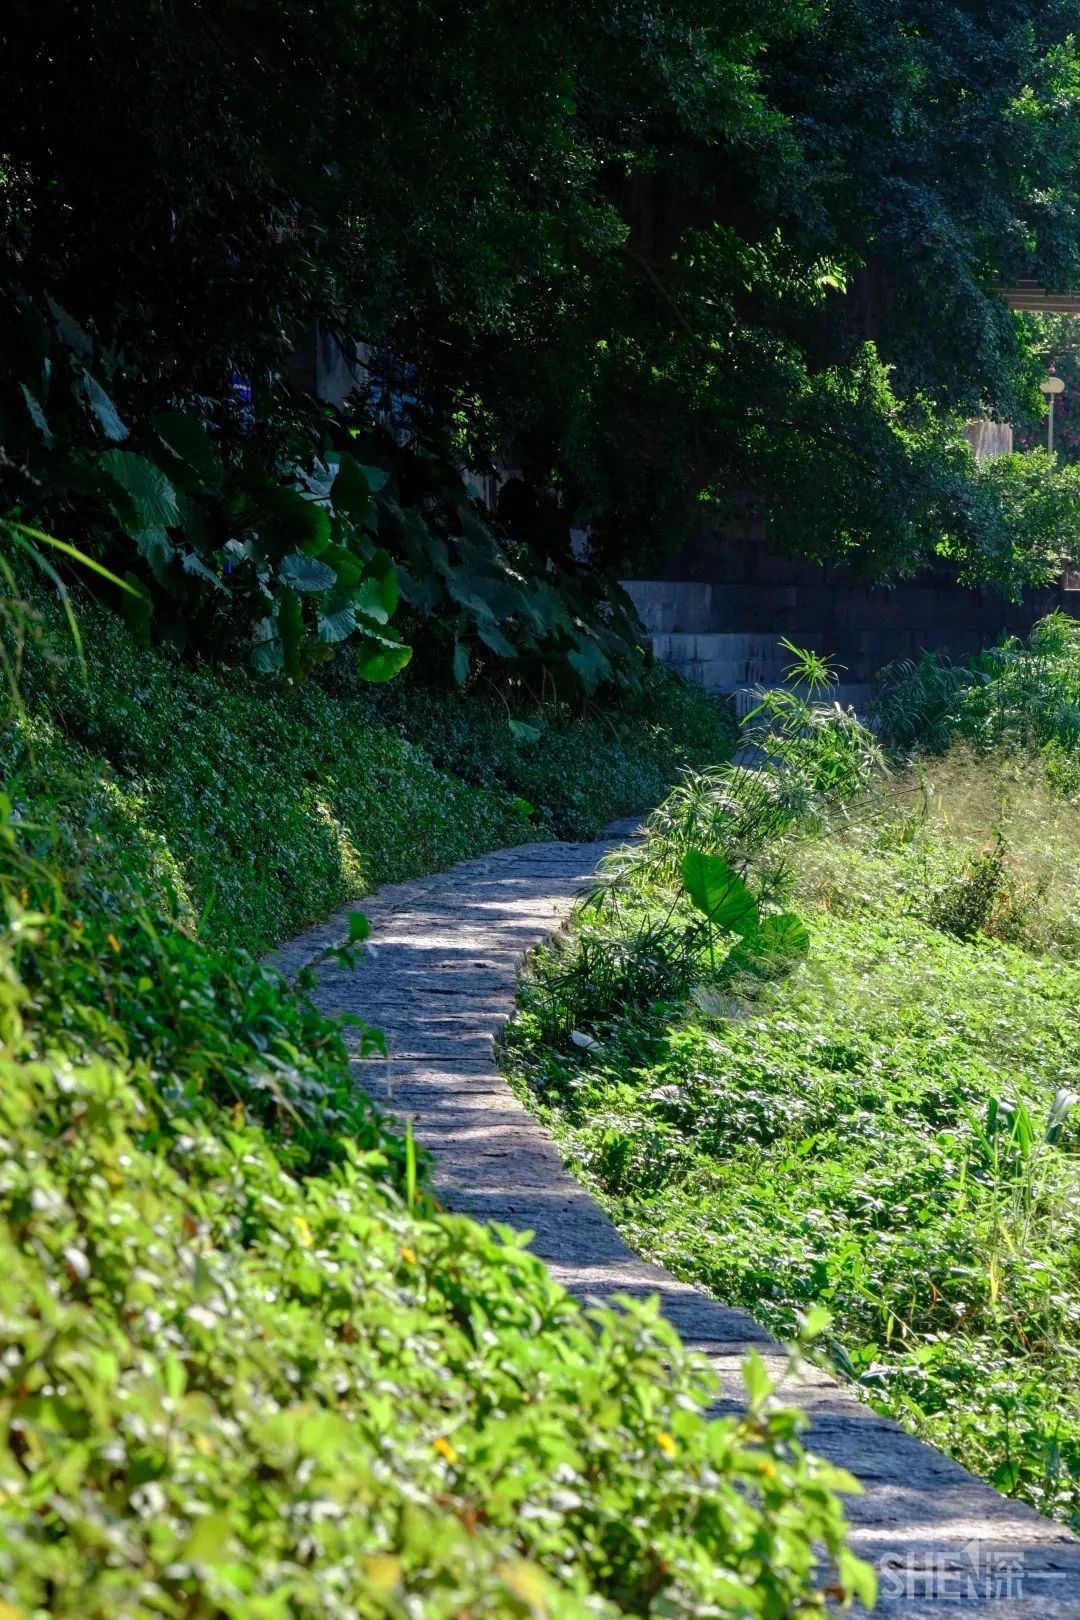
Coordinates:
785 935
380 660
291 631
305 573
143 496
351 492
186 439
718 891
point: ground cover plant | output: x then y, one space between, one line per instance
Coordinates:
249 1367
874 1110
255 808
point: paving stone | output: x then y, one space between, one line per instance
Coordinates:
440 982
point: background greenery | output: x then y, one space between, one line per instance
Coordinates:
880 1117
650 257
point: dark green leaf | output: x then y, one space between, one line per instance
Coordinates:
375 662
718 891
101 408
291 631
149 499
305 573
351 492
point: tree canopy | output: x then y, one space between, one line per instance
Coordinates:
647 254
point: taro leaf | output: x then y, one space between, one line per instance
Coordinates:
379 660
290 522
337 622
523 732
69 330
101 408
718 891
589 663
348 567
377 477
267 653
291 631
483 596
785 935
378 595
305 573
462 659
494 638
369 601
351 492
544 608
136 608
149 499
37 415
159 553
193 564
424 594
384 568
187 440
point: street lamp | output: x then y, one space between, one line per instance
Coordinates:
1051 386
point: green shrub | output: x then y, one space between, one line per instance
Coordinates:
889 1132
580 771
1023 695
255 810
251 1371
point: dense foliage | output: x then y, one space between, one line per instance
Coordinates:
251 812
1022 695
250 1367
645 255
879 1119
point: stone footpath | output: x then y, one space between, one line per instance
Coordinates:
440 983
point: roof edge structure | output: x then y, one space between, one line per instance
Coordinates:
1030 297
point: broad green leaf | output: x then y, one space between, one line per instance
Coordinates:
101 408
267 654
290 522
784 935
351 492
376 662
377 477
371 600
493 637
462 659
188 440
291 631
347 566
36 414
338 623
589 663
149 499
523 732
69 331
158 551
718 891
193 564
755 1374
305 573
359 927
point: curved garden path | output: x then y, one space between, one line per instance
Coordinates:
440 982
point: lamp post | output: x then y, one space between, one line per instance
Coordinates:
1051 386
